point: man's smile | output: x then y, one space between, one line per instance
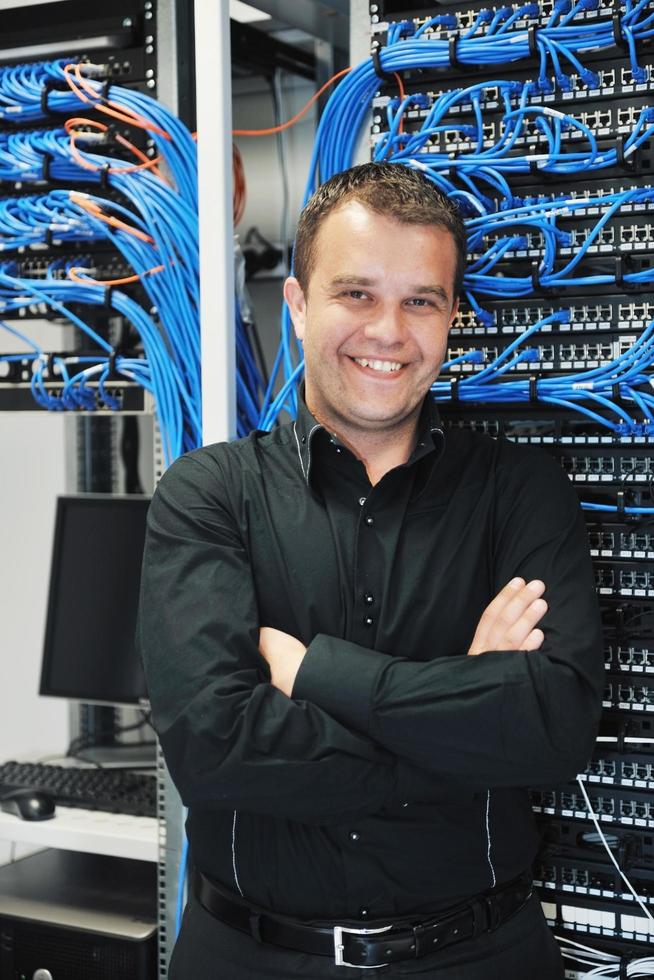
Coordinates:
379 366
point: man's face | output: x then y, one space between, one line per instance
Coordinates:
375 320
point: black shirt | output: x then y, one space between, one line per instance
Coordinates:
393 779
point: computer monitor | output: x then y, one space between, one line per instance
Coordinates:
90 651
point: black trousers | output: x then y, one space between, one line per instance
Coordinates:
523 948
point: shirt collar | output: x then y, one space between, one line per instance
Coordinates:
430 434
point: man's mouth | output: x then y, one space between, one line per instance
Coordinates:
386 367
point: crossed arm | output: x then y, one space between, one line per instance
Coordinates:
507 623
362 728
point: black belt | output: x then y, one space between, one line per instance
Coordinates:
373 945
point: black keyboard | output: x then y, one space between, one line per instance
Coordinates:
114 790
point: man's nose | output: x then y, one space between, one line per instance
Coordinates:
387 326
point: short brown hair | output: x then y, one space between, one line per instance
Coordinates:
390 189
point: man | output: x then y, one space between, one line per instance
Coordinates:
391 576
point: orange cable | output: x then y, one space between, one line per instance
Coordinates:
400 85
90 206
125 280
107 107
89 165
297 116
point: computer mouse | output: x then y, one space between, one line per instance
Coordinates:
28 804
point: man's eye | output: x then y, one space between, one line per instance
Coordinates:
355 294
419 301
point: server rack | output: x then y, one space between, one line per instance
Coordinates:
147 45
583 896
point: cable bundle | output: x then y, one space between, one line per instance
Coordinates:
499 221
150 216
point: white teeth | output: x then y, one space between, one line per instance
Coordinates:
385 366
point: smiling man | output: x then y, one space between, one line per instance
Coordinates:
364 637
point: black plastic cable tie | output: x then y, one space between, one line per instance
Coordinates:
533 388
451 51
532 36
534 169
46 160
108 296
104 91
47 237
615 392
535 277
618 33
383 76
454 389
620 507
104 176
619 273
45 89
51 366
621 268
112 373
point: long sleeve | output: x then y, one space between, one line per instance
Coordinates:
232 740
503 718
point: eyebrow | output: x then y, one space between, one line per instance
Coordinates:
430 290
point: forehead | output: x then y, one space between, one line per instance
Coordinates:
353 240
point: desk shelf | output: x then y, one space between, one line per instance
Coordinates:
91 831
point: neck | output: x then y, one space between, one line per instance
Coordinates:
379 450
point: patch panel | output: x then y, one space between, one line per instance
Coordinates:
558 356
613 468
385 11
620 541
585 317
461 132
597 920
619 236
615 804
631 658
546 431
623 579
620 769
560 872
129 398
628 694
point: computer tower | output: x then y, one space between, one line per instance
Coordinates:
71 916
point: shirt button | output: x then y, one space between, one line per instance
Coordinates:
370 520
362 501
354 835
369 598
368 621
364 913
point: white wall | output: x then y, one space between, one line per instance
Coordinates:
33 462
34 457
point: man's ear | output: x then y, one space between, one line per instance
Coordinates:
297 305
455 310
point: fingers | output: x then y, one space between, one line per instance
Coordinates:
533 641
519 617
509 621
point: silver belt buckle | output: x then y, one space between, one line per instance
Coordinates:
339 947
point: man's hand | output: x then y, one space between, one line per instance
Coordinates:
284 655
508 622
